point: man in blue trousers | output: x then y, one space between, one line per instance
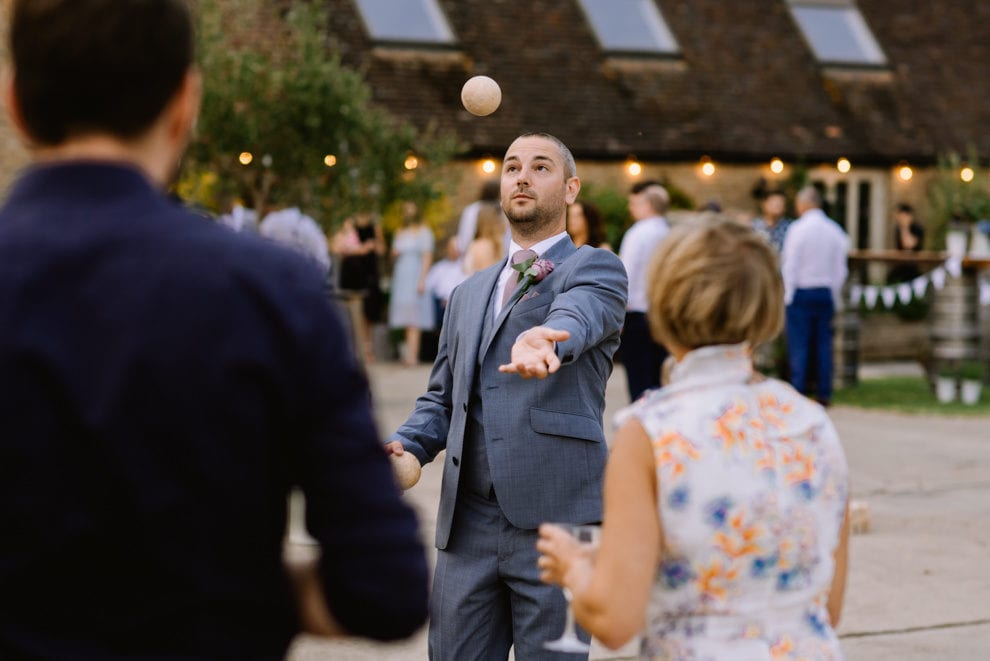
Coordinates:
165 382
814 269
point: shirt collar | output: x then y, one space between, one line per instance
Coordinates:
538 248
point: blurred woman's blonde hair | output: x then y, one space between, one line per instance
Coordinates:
714 281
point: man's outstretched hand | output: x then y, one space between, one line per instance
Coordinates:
533 354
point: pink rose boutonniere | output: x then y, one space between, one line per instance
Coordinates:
532 271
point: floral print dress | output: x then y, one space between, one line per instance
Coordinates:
752 492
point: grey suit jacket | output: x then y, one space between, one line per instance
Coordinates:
544 438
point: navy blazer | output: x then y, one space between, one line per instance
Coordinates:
163 384
544 437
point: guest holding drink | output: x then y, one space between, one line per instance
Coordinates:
725 528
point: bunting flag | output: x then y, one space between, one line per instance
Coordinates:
904 293
870 294
889 296
855 293
954 267
917 288
938 278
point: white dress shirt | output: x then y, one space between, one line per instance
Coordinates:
638 246
443 277
507 269
814 255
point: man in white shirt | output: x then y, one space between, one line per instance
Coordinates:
641 355
814 269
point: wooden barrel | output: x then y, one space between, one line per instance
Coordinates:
955 329
845 353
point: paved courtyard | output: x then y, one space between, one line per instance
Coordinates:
919 582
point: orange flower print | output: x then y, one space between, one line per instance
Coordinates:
714 580
670 452
729 427
773 410
782 648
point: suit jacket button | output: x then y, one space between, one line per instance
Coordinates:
455 461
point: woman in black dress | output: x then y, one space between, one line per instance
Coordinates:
360 245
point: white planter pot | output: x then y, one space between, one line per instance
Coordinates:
955 243
945 389
969 391
979 243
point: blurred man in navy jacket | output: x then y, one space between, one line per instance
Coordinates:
164 383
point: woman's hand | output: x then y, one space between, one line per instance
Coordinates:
560 553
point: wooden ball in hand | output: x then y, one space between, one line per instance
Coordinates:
406 468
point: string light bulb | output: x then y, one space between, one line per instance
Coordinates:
633 167
776 166
905 172
330 160
488 166
245 158
411 162
843 165
707 167
966 174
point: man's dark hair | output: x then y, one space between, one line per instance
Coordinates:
904 207
97 66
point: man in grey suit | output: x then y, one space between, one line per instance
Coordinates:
516 399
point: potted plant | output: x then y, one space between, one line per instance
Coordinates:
979 243
945 384
971 383
957 203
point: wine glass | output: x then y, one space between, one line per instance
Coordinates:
569 641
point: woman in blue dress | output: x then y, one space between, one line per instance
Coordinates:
410 305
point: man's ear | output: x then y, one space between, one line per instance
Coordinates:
13 105
184 109
573 188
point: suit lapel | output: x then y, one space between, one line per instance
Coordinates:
557 253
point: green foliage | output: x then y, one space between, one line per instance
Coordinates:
908 395
613 206
972 370
954 200
274 87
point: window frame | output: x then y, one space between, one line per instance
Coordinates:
859 31
667 44
444 37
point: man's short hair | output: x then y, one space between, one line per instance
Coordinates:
97 66
811 196
655 194
570 166
714 282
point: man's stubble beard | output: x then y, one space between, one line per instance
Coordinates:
536 223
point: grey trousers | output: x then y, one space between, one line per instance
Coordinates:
487 594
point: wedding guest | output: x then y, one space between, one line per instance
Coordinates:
773 223
515 400
361 244
642 356
909 236
814 267
488 245
410 306
165 382
725 526
586 225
